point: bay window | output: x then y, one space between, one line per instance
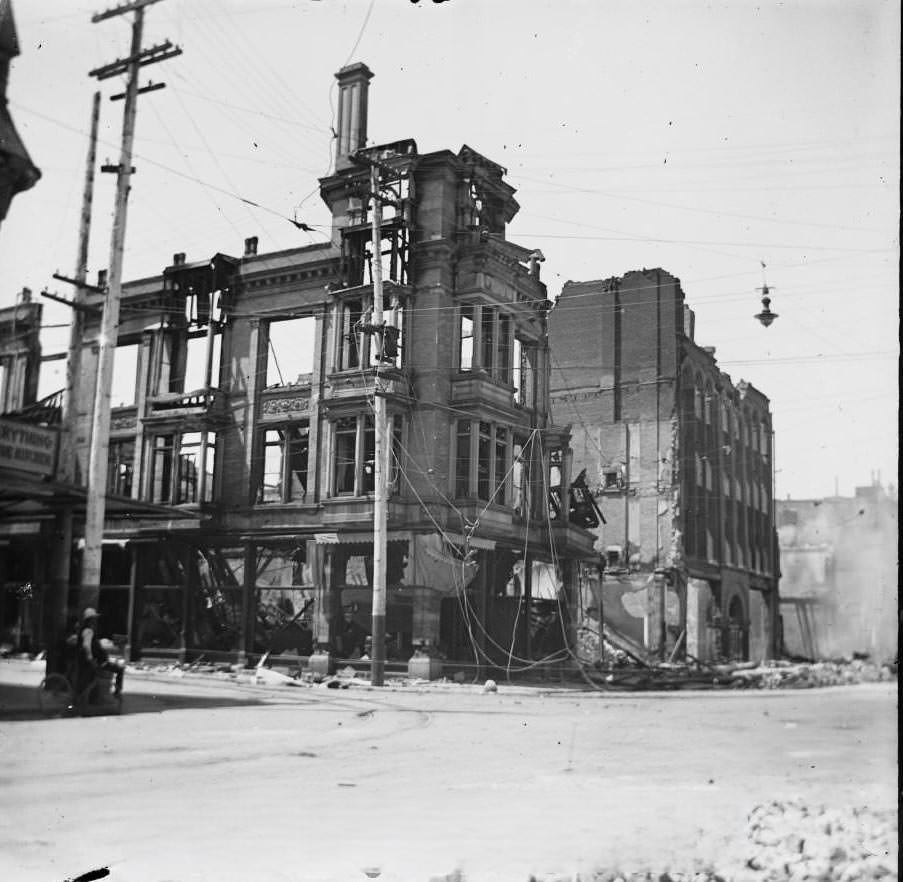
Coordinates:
354 455
481 470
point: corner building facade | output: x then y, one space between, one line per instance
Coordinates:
243 402
680 458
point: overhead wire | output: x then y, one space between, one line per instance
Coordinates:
171 170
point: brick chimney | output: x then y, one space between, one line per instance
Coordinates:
250 246
351 127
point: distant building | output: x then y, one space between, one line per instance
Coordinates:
679 459
241 449
29 495
840 574
17 171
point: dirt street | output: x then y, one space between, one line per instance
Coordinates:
206 780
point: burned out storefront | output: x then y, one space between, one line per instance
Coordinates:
470 603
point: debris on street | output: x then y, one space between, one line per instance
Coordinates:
777 674
790 841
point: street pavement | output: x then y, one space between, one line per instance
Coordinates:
207 779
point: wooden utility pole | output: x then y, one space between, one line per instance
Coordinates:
109 328
77 328
56 600
380 495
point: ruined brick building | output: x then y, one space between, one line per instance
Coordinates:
240 508
839 573
681 458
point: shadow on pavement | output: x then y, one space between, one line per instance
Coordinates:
19 702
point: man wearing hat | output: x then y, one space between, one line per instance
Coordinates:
91 654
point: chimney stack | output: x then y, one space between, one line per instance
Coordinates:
24 296
351 128
251 246
102 278
178 259
689 323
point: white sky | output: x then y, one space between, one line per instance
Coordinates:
700 137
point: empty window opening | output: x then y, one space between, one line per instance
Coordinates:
285 460
520 478
487 339
120 467
462 460
466 334
290 351
125 376
196 362
501 463
345 458
484 462
178 463
612 479
354 452
503 373
51 379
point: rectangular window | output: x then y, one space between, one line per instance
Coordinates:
285 458
368 476
520 478
189 468
484 462
462 460
355 456
395 459
517 372
501 466
503 374
487 338
120 467
556 493
395 317
345 449
125 376
194 364
612 479
522 375
161 468
465 355
290 351
352 339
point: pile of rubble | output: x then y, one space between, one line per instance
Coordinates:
793 842
620 671
790 840
776 674
805 675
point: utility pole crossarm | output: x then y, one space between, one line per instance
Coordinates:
161 52
121 9
74 304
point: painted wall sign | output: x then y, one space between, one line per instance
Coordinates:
27 448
